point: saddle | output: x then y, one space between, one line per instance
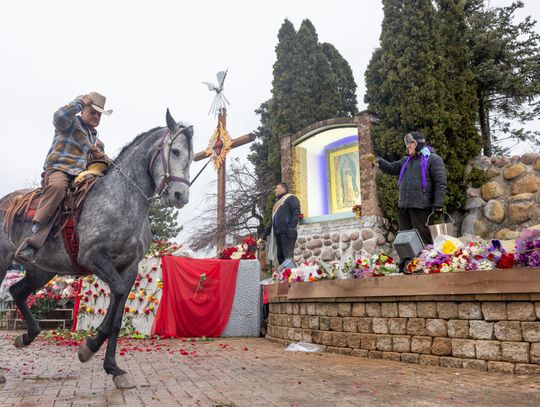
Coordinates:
22 205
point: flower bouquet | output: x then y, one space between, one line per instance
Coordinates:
377 265
383 265
362 268
357 209
245 250
528 248
160 248
313 271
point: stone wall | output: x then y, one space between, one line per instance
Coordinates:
508 201
334 240
495 332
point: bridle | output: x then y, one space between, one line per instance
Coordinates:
166 177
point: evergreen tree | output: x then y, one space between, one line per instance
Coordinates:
419 80
461 103
266 176
345 80
315 86
282 118
505 60
163 224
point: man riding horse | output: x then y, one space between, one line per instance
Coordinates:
75 145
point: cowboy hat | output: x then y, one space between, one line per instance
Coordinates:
98 102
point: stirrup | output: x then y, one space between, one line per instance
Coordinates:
26 253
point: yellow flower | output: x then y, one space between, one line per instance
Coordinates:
448 247
131 310
88 309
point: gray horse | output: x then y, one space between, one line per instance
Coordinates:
114 232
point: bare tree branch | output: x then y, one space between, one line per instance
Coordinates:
245 200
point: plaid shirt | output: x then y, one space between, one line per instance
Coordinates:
73 141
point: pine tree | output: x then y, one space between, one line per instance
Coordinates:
345 80
281 115
163 224
316 86
259 157
505 60
461 103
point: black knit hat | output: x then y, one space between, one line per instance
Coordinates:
418 137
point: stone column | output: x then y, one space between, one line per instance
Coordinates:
287 161
368 174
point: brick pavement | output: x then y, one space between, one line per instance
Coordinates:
245 372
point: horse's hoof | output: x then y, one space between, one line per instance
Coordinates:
84 353
19 342
122 382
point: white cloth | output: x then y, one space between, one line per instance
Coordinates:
272 252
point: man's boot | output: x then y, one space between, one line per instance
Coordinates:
26 253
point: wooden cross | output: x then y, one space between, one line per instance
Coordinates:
221 184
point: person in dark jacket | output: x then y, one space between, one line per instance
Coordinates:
282 229
421 182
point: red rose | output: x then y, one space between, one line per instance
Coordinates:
506 261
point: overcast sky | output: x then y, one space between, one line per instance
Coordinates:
147 56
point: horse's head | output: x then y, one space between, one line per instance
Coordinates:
170 166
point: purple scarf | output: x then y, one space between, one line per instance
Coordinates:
425 152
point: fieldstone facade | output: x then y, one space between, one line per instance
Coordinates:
509 199
343 239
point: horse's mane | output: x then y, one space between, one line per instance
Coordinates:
137 140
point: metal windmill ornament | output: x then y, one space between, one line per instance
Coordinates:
218 147
220 101
220 142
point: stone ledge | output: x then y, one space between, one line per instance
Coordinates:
506 283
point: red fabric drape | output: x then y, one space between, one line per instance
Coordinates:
76 306
184 310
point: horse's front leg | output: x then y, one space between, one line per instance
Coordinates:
102 267
120 376
20 291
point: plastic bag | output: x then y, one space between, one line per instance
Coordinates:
303 347
447 244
